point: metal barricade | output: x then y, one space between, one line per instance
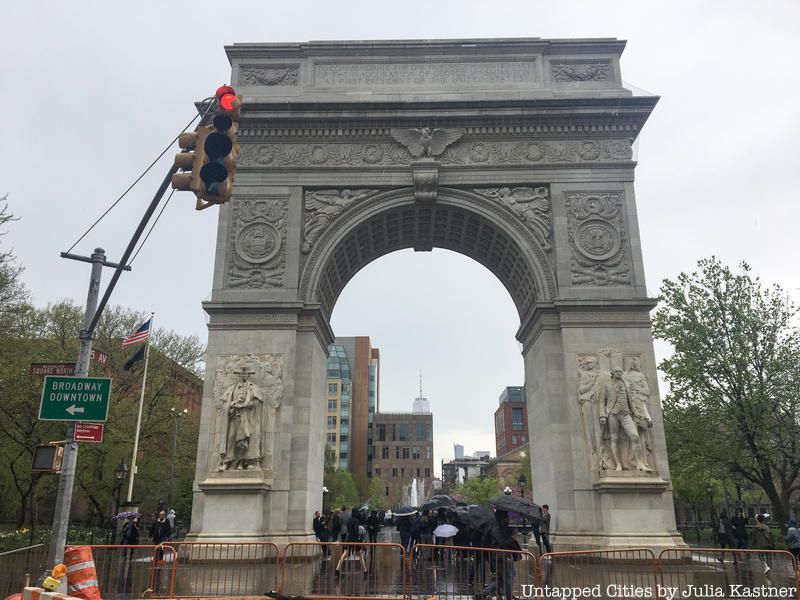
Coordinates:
129 571
716 573
15 564
364 570
628 573
451 572
219 569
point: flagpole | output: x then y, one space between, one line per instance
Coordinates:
139 417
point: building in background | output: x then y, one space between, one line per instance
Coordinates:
421 404
337 429
458 450
468 467
511 420
403 449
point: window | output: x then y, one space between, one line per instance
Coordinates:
385 452
387 490
513 439
397 451
415 453
402 471
372 377
345 387
331 422
331 438
394 471
524 438
428 452
333 388
422 433
405 453
402 432
417 471
331 405
394 432
499 423
381 432
427 471
378 472
516 419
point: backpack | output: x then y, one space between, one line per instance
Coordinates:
362 534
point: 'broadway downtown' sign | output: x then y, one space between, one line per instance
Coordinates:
75 399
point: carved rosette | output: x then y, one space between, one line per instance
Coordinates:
265 374
581 71
598 239
269 76
257 252
323 207
387 154
596 396
531 205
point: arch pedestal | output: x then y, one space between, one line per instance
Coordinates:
515 153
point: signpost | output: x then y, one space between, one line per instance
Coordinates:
75 399
89 432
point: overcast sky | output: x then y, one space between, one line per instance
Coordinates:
93 91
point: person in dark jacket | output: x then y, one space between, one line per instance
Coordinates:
724 534
160 529
130 533
404 527
501 537
739 524
320 526
353 546
373 525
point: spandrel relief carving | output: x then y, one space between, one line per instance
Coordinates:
257 254
248 391
614 412
532 206
597 239
322 207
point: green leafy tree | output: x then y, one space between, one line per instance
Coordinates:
376 497
341 489
478 490
734 378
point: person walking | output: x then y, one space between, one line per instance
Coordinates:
544 528
344 519
404 527
130 537
321 533
501 537
159 532
724 534
352 547
373 525
739 524
171 520
763 540
793 539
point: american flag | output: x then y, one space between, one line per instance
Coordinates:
137 336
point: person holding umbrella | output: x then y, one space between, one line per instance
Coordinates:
501 537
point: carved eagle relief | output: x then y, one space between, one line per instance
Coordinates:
426 142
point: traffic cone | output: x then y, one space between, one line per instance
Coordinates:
81 574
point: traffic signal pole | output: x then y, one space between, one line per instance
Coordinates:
66 481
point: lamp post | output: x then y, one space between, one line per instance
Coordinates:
522 480
120 472
738 477
710 492
325 493
176 414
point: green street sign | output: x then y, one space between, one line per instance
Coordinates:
75 399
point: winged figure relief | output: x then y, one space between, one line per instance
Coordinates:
323 206
426 142
532 205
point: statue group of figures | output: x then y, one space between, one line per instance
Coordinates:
615 414
247 413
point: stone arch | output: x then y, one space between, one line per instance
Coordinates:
458 220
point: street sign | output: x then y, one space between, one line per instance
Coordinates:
89 432
99 356
52 368
75 399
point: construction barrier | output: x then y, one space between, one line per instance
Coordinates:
628 573
716 573
81 574
34 593
225 569
127 572
16 564
452 572
364 570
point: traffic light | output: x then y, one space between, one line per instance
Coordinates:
48 458
220 149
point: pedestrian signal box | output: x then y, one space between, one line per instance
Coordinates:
48 458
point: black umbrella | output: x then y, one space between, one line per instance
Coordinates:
438 501
522 506
475 516
405 511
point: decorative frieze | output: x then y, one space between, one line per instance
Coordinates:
598 239
257 251
269 76
383 154
580 71
532 206
436 74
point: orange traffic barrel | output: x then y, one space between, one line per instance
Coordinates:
81 574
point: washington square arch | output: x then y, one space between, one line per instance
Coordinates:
514 152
